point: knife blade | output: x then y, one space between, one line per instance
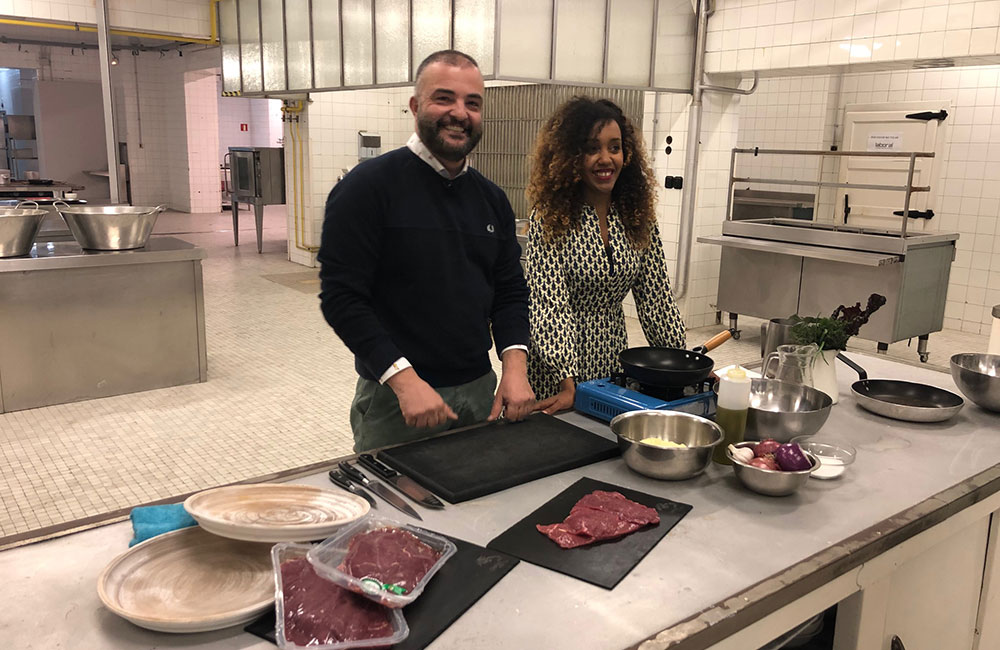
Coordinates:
341 480
404 484
390 497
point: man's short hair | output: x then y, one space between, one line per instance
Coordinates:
451 57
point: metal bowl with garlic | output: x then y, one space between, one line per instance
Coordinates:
771 482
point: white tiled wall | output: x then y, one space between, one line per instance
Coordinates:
182 17
331 124
969 188
201 109
262 117
746 35
158 154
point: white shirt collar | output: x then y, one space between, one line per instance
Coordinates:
416 145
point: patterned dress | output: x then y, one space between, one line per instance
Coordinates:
577 287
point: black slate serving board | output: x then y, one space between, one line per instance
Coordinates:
604 563
476 462
458 584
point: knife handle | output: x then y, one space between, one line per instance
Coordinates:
383 470
352 472
339 479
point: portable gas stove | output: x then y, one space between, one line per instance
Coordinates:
606 398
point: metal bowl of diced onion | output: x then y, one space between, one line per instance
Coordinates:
666 445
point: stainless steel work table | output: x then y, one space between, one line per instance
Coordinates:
81 324
739 569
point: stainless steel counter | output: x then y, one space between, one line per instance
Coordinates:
84 324
728 575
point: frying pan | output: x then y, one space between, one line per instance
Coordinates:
671 367
903 400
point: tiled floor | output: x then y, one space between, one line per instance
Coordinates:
277 397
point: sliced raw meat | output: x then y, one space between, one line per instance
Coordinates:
599 516
318 612
617 503
391 555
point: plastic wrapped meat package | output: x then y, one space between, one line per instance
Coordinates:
386 561
314 613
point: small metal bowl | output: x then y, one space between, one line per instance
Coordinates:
978 377
783 410
699 434
18 229
768 481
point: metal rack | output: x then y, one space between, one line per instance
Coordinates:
16 128
909 188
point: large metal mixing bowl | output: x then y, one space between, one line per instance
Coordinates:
698 434
109 227
18 229
978 377
783 410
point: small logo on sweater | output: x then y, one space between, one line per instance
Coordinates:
489 227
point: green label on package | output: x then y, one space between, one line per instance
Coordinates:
371 585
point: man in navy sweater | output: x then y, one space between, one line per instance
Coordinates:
420 273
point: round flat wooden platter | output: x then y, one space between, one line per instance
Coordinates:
275 512
189 580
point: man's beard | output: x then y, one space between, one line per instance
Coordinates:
430 134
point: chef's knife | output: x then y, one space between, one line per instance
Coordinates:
341 480
391 497
404 484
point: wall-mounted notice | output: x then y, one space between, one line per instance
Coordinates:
885 142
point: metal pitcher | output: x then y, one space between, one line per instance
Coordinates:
775 332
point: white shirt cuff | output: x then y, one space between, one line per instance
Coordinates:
397 366
513 347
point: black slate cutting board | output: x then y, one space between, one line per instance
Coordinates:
458 584
604 563
476 462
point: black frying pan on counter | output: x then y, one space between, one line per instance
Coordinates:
903 400
671 367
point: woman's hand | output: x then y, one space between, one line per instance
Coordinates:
561 401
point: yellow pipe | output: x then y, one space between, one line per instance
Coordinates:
298 182
76 27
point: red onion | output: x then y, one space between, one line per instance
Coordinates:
766 446
790 458
764 462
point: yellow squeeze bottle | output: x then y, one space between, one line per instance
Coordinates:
731 410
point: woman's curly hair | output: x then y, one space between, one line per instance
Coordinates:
555 188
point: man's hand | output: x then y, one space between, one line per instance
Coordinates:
420 404
561 401
514 398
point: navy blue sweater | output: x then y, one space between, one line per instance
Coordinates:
419 266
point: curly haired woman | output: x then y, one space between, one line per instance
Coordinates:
593 238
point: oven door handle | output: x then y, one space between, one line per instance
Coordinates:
227 162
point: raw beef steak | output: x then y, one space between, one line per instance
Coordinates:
598 516
391 555
318 612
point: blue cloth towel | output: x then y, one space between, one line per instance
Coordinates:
150 521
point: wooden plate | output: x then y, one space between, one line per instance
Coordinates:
189 580
274 512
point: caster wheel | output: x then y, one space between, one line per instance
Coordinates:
924 358
736 335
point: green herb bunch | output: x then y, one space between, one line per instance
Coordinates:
832 333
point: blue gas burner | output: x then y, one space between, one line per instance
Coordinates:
606 398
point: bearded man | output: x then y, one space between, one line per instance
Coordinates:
420 273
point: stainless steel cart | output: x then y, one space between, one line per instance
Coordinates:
775 267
